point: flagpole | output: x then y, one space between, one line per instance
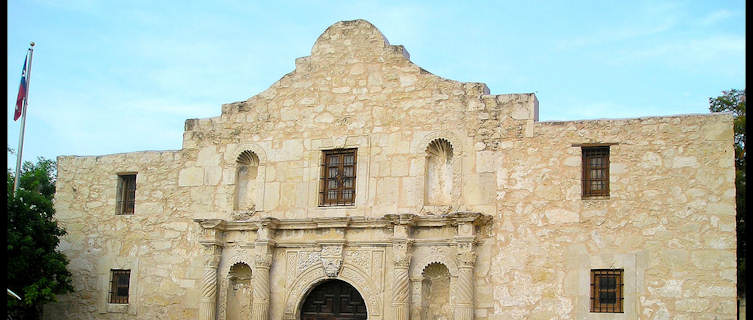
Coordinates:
23 119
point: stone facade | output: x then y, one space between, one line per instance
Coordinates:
466 206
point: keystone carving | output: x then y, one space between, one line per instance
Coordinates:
332 259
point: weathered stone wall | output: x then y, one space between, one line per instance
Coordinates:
669 220
157 243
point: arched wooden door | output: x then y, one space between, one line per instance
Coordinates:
333 299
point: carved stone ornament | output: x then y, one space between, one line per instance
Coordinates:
332 259
243 215
401 253
465 254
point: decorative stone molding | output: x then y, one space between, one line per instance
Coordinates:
426 256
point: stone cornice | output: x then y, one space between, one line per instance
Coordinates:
388 221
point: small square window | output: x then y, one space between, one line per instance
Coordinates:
119 286
595 171
337 185
606 290
126 198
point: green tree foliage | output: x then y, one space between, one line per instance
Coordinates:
37 271
734 101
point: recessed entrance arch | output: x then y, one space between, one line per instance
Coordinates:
333 299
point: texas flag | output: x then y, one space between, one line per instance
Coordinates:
21 93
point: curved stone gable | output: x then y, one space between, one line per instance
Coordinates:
354 79
353 37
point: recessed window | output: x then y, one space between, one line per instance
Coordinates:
119 286
595 171
337 186
126 193
606 290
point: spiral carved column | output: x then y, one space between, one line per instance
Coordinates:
464 283
261 292
464 291
208 300
415 299
401 281
260 278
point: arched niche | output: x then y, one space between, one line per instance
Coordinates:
231 259
439 182
239 294
230 166
424 257
246 185
438 178
435 292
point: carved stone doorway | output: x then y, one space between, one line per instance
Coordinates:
333 299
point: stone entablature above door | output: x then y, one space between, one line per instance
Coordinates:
367 253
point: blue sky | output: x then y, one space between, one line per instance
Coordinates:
123 76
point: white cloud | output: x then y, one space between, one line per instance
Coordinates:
716 16
648 20
714 51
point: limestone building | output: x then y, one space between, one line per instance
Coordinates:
361 186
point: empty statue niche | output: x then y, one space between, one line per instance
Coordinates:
435 293
239 293
438 179
245 181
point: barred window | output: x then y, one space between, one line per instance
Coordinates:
126 197
595 171
119 285
337 185
606 290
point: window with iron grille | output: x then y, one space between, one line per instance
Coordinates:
126 193
606 290
119 286
595 171
337 185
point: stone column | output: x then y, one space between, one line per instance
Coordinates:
208 300
264 247
400 281
415 299
466 258
464 294
210 240
401 253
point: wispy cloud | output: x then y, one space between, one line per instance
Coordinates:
690 54
647 21
716 16
617 34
